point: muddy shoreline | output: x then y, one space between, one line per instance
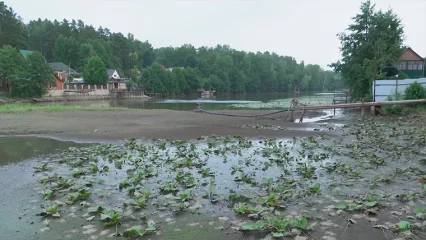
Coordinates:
355 180
87 125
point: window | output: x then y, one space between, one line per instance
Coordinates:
420 65
402 65
412 65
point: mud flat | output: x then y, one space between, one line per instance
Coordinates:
147 124
357 180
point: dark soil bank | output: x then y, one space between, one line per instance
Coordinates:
147 124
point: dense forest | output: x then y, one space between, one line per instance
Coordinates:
227 70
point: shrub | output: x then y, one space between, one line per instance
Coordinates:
415 91
394 109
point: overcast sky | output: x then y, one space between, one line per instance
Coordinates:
304 29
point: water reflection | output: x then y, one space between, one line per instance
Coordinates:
13 149
185 103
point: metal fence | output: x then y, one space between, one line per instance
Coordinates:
384 88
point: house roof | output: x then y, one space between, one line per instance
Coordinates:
110 72
25 53
60 66
412 51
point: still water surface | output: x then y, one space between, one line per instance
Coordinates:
221 102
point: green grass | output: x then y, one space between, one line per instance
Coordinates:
25 107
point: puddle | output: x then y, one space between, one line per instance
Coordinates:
15 149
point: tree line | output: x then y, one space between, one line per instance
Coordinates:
223 68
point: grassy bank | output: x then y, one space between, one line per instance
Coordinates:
25 107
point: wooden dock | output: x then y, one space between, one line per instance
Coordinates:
155 96
341 97
361 105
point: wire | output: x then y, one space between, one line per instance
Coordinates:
238 115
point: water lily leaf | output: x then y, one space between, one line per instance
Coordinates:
259 224
96 209
253 226
249 226
421 216
105 217
316 188
52 209
354 207
135 231
371 204
311 226
303 222
368 197
151 228
402 226
277 234
90 218
419 210
341 206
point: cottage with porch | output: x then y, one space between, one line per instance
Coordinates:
411 64
114 80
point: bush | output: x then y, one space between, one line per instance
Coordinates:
415 91
394 109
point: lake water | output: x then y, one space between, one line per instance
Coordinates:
221 102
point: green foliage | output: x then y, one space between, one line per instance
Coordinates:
222 68
12 69
138 231
316 188
394 109
254 226
415 91
40 74
95 71
48 194
367 46
402 226
65 50
12 30
26 77
80 195
110 218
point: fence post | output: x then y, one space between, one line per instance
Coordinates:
362 108
301 117
396 90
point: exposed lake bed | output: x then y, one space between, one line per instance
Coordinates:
354 180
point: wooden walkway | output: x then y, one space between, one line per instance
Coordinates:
361 105
154 96
358 105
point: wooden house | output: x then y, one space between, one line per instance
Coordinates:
61 73
114 80
411 64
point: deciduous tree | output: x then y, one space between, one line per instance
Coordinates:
371 42
95 71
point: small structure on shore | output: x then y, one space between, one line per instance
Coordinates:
206 94
115 82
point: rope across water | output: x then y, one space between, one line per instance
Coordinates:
238 115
